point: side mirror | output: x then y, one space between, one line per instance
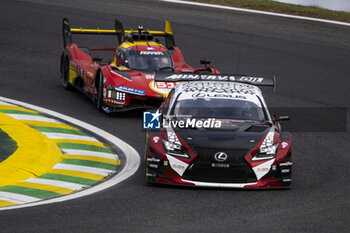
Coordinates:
204 62
282 118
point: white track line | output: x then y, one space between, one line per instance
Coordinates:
25 117
256 12
69 136
5 103
58 183
89 153
79 168
131 164
16 198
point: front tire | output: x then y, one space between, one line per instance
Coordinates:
100 102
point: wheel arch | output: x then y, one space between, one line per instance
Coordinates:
101 70
97 79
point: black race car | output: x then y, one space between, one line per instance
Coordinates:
216 131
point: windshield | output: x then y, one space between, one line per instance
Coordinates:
217 108
148 60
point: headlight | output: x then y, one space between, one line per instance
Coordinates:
115 94
267 152
174 149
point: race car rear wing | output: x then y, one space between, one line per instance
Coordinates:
119 32
177 77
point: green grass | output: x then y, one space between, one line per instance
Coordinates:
285 8
8 146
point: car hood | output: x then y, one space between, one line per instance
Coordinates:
141 81
243 136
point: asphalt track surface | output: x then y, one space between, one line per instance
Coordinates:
310 60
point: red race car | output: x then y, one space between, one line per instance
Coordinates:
127 81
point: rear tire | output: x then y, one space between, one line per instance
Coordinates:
65 71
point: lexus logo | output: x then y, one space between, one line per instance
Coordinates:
220 156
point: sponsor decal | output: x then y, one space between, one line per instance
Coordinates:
177 166
284 144
113 101
104 80
285 170
150 53
153 160
262 169
150 48
150 175
286 164
151 120
130 90
165 163
161 87
165 85
286 180
152 165
217 95
223 165
227 88
155 139
220 156
214 77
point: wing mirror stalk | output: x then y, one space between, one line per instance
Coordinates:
281 118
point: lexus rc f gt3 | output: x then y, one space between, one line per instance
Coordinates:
216 131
